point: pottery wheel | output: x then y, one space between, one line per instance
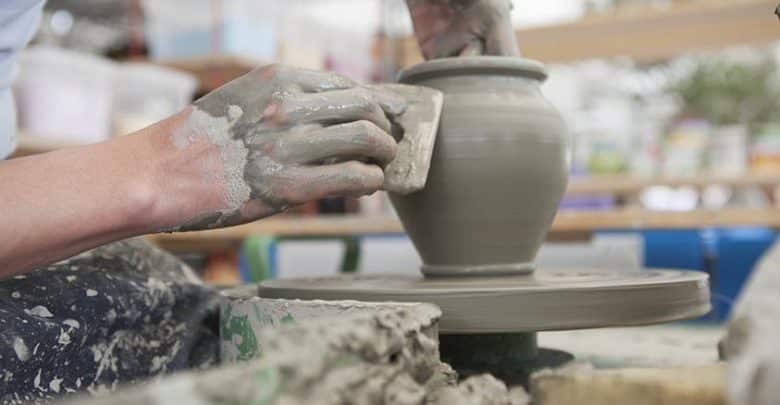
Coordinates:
545 300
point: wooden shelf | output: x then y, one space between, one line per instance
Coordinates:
644 33
213 71
588 221
324 225
624 184
566 223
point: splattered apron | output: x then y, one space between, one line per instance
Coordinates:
118 314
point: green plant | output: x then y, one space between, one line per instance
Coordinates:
727 92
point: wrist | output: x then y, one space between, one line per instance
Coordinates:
179 180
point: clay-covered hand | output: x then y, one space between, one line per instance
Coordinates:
286 136
447 28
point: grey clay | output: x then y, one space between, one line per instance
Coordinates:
498 170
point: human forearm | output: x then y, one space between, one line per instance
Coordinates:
274 138
61 203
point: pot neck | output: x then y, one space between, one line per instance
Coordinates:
474 66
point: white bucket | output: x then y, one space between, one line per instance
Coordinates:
65 95
147 93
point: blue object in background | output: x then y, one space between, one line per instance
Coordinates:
682 249
257 261
674 249
736 252
728 255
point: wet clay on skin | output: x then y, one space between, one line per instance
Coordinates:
278 128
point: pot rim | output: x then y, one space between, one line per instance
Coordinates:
506 65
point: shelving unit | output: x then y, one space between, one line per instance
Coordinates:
643 33
626 184
566 223
324 225
214 71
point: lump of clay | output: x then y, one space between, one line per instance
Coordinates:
480 390
370 358
389 356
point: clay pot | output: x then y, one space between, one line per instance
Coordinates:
498 171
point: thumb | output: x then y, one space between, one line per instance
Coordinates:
475 47
500 38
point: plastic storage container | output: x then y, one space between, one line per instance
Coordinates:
65 95
728 255
191 28
737 252
675 249
147 93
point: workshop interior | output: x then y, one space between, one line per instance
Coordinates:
578 208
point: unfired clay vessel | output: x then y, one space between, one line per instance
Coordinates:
498 170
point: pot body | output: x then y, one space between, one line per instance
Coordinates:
498 170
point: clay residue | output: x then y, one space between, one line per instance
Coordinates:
233 152
480 390
386 357
244 314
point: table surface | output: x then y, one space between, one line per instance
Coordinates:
668 345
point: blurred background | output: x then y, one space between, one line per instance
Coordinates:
673 108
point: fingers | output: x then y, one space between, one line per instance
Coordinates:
450 44
314 81
474 48
337 180
300 79
391 102
360 140
335 107
500 38
502 43
464 28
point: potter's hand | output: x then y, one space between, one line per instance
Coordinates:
446 28
285 136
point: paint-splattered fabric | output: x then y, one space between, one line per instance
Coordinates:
118 314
